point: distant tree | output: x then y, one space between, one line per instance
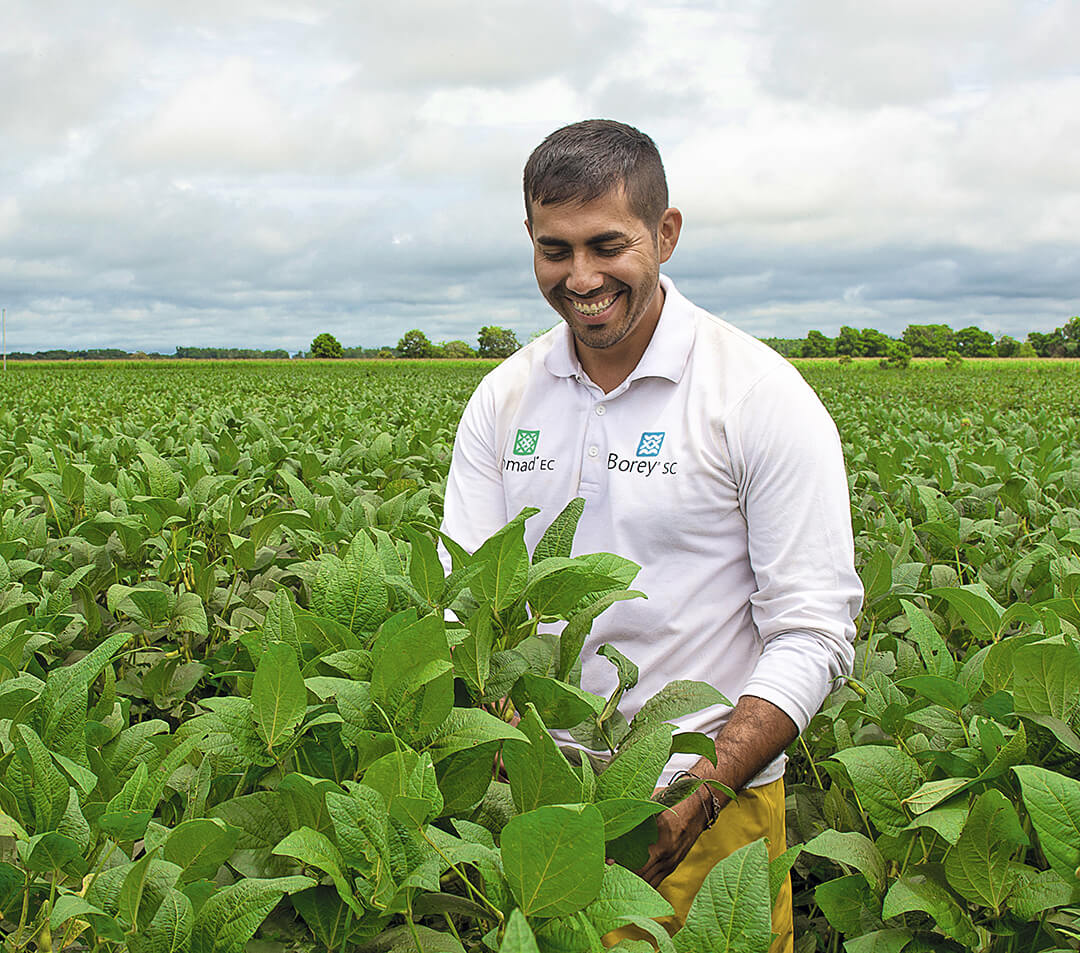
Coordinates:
385 353
874 343
929 340
497 342
1051 344
788 347
953 360
415 343
974 342
1007 346
1071 331
849 341
457 349
325 345
817 345
845 359
1026 350
898 356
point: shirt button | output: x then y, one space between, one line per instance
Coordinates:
600 410
593 451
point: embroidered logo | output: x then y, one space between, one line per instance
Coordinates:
525 443
651 442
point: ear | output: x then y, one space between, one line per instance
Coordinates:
667 232
528 228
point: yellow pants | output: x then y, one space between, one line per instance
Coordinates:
759 812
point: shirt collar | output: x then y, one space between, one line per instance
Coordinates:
668 349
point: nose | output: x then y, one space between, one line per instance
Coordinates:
584 277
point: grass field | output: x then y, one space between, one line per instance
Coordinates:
200 562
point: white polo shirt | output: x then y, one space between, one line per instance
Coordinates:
717 469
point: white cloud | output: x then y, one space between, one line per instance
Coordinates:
254 172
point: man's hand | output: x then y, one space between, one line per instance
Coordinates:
678 828
754 735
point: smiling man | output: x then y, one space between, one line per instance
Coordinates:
703 456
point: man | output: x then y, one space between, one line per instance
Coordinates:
703 456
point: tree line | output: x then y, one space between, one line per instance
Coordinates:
492 342
917 340
932 340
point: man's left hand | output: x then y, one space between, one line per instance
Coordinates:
678 828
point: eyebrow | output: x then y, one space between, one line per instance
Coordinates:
602 239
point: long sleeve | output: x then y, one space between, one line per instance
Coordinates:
794 494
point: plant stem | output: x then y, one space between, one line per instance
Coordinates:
479 895
810 759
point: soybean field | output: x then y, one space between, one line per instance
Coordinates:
233 713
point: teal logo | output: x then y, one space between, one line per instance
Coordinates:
650 444
525 443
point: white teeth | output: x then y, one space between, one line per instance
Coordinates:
594 308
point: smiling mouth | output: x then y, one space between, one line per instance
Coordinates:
591 309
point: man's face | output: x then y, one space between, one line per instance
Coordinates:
598 266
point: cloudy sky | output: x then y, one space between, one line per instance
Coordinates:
249 173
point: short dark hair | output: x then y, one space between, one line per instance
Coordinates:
586 160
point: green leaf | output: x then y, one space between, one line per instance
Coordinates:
538 771
558 538
731 912
412 939
504 564
280 622
469 728
517 936
559 705
188 614
932 647
674 701
623 896
199 847
314 849
278 695
947 820
326 915
51 852
577 629
231 916
883 779
352 591
628 671
849 904
1047 680
361 825
554 859
170 929
932 793
411 675
978 867
1037 891
1053 803
425 569
879 941
622 815
853 850
46 788
472 657
916 892
940 690
70 905
979 610
635 771
779 868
